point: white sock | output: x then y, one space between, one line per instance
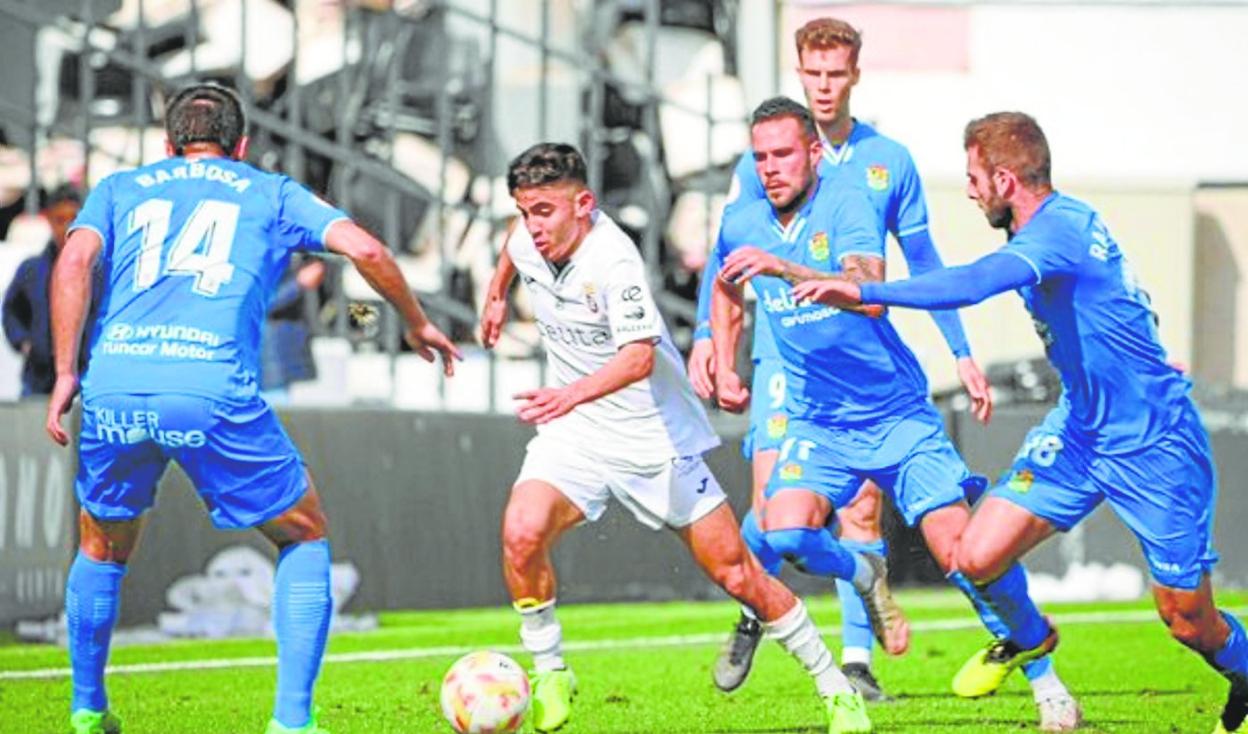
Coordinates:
541 635
859 655
1048 686
798 635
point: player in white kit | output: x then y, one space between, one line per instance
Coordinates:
619 420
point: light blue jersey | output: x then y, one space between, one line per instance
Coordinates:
1098 330
192 250
842 368
883 169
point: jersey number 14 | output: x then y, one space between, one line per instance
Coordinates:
201 249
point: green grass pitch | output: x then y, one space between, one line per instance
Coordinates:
642 668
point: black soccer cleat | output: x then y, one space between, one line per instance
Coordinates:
859 674
736 657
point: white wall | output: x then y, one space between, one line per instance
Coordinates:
1122 91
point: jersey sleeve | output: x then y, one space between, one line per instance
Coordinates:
1050 251
303 218
706 286
911 212
630 307
97 212
856 229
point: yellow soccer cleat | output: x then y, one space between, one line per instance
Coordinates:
988 668
552 699
847 714
86 721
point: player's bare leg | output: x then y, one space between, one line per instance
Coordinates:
715 543
1194 620
859 525
536 517
302 608
736 657
986 546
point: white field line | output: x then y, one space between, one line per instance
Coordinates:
415 653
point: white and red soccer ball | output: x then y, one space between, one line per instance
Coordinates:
485 693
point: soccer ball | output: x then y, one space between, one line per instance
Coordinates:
485 693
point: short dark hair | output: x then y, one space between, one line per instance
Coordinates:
205 113
546 163
1014 141
61 194
782 106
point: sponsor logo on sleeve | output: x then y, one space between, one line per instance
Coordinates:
631 294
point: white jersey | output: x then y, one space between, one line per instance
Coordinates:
586 312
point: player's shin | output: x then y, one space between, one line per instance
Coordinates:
92 603
796 632
302 607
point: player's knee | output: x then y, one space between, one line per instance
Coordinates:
523 540
734 578
978 565
1193 626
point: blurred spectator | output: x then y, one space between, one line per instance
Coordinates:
286 346
27 314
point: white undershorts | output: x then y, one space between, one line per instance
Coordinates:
677 493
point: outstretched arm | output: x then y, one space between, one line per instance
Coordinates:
964 285
378 267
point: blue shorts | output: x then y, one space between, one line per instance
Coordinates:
239 458
911 458
1164 492
768 421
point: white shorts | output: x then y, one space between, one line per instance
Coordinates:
676 494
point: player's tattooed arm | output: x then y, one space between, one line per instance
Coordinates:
862 269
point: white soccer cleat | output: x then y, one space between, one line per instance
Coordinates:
1059 712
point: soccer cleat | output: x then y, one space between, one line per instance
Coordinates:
737 655
552 699
864 682
888 622
988 668
276 727
86 721
1059 713
847 714
1236 708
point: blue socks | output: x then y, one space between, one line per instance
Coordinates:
1007 611
855 625
1233 657
752 534
813 550
92 603
301 613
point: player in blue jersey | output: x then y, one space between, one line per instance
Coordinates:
853 153
1125 431
857 402
190 249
